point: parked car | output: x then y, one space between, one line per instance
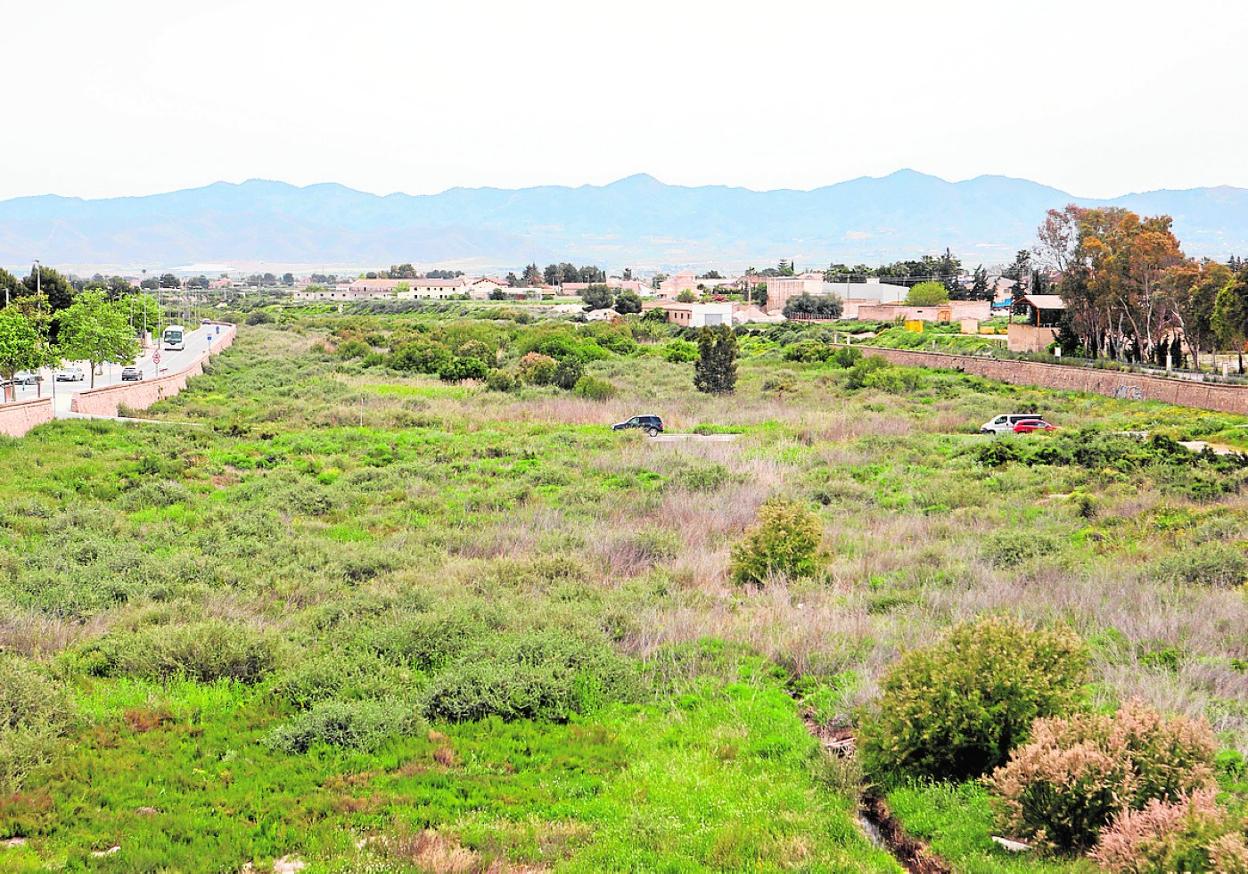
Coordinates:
70 374
1004 424
652 425
1028 425
131 374
25 377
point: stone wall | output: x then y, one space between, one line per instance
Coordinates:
20 416
1114 384
140 395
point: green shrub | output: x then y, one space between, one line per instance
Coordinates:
857 374
428 641
954 709
927 294
420 356
894 380
784 540
593 388
501 380
358 725
259 317
353 349
537 369
1010 546
998 452
1210 564
34 713
546 675
459 369
679 351
345 676
1074 774
568 373
845 356
203 651
807 351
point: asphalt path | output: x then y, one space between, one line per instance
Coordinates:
197 342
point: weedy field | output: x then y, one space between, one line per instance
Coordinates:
395 598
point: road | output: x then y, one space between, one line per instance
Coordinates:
110 374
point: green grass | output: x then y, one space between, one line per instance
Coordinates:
957 822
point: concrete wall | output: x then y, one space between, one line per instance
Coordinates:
19 417
1114 384
1029 338
142 394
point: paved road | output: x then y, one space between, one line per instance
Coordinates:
110 374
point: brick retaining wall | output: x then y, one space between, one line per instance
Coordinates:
142 394
20 416
1114 384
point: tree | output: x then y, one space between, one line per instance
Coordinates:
288 279
151 283
397 271
627 275
532 276
58 289
927 294
980 289
715 371
686 296
168 280
19 346
96 330
598 297
552 275
1192 291
628 302
497 294
10 286
1114 277
822 306
1230 318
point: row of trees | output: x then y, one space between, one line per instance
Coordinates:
92 328
1130 292
557 274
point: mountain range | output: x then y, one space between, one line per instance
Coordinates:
637 221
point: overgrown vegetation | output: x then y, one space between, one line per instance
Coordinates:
384 615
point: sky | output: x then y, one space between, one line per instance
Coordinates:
1097 98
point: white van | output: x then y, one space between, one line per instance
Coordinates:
1005 424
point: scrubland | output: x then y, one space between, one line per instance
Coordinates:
353 613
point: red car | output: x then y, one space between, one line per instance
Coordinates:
1028 425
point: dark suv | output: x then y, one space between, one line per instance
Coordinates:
652 425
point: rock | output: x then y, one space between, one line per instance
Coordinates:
13 842
288 865
113 849
146 811
1012 846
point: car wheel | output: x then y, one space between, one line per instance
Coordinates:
652 432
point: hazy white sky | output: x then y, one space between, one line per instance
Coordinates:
1098 98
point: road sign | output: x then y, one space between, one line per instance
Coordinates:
156 357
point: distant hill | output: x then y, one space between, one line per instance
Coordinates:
637 221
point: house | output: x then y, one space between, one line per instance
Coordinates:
409 289
781 289
1045 313
322 292
482 287
693 315
670 288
